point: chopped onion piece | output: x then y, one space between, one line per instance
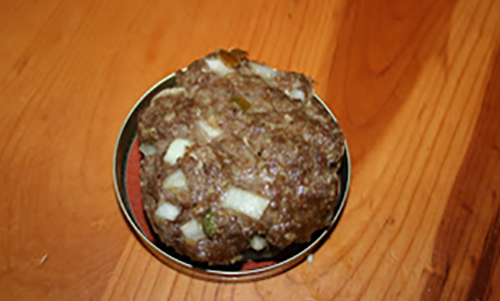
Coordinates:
297 94
168 117
176 150
217 66
208 131
193 230
194 156
290 236
148 149
167 211
263 71
245 140
245 202
258 243
177 180
169 92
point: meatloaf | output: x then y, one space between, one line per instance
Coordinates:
237 155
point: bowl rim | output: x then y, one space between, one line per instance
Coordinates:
119 180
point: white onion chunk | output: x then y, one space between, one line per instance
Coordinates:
176 150
169 92
297 94
177 180
208 131
148 149
245 202
217 66
193 230
167 211
263 71
258 243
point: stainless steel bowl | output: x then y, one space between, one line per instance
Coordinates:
126 157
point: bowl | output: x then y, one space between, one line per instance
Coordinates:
254 266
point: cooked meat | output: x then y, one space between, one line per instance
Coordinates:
237 155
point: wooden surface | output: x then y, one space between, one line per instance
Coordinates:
415 84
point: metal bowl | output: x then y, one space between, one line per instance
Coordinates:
255 266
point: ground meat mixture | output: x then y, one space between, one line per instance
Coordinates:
237 155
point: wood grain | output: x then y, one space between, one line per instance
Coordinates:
415 84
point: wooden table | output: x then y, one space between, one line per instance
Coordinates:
415 84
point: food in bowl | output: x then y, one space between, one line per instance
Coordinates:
236 156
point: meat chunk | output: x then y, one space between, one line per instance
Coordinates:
237 155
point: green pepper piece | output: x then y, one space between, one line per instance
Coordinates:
209 225
242 102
